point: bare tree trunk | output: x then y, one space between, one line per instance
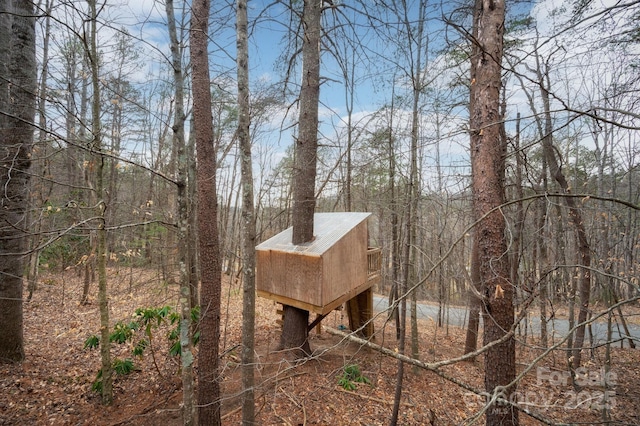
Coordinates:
516 242
417 77
487 163
475 305
36 224
248 219
306 145
17 99
101 233
179 146
192 234
584 251
89 265
208 381
77 176
395 238
88 269
403 319
294 329
409 253
543 259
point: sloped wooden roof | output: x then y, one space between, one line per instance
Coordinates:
328 229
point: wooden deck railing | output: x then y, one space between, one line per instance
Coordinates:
374 262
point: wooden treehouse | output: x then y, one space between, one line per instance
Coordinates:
319 276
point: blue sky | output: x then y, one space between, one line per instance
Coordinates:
145 19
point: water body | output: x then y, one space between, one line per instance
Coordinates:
556 328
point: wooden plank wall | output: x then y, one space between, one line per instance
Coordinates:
345 264
314 282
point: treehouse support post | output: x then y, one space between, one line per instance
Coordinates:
360 313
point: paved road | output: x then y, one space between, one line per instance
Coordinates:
557 328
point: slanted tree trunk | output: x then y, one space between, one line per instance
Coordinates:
487 163
17 112
294 328
584 250
248 219
208 374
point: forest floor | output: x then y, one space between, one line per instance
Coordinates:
53 386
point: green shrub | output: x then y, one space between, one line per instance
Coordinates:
123 366
140 334
92 342
350 376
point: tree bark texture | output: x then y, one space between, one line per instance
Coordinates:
294 336
306 145
18 87
179 146
475 305
208 374
294 329
395 239
487 162
248 219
